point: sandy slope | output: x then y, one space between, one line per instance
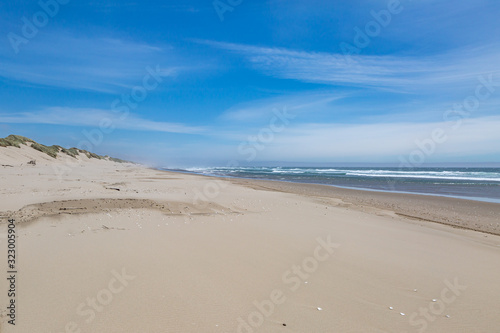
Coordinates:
108 247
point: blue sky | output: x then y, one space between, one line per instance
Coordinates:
358 81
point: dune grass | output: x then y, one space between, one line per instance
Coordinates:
52 151
14 141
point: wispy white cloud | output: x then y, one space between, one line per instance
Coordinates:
96 64
93 117
297 104
403 73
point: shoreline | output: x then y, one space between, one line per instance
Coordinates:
476 215
480 199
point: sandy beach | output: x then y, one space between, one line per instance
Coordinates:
231 166
117 247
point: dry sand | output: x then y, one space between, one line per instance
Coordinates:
108 247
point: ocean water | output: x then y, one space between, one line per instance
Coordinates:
471 183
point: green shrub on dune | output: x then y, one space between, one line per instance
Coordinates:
14 141
90 155
73 152
51 151
117 160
